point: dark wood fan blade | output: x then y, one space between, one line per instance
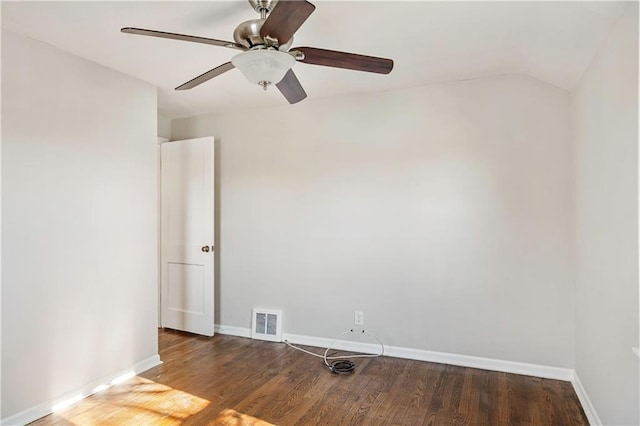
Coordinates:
351 61
183 37
285 19
206 76
290 87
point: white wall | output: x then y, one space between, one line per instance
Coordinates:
442 212
164 126
604 113
79 221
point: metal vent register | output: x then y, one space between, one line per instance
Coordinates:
267 325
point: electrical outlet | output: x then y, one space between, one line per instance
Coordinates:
358 318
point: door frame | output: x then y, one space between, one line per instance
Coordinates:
160 141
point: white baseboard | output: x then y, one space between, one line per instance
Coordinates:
565 374
233 331
34 413
482 363
587 406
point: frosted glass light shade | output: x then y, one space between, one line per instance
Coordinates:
263 65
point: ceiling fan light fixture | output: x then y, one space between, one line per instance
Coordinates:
263 66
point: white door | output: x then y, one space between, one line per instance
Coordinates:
187 235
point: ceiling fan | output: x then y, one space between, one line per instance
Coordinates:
266 56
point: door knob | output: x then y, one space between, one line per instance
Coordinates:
205 249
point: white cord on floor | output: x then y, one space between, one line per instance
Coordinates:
327 358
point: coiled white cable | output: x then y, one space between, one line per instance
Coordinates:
327 358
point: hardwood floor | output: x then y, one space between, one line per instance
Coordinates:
228 380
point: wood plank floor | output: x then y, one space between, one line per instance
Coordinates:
228 380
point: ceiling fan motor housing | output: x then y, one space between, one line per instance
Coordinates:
248 35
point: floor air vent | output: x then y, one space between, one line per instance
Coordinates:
267 325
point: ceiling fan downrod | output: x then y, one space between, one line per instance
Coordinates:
263 7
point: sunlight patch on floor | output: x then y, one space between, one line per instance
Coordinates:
233 418
136 402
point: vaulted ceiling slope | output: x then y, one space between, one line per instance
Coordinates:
429 42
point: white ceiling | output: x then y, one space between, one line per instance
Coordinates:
429 42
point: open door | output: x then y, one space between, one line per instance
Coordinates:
187 235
